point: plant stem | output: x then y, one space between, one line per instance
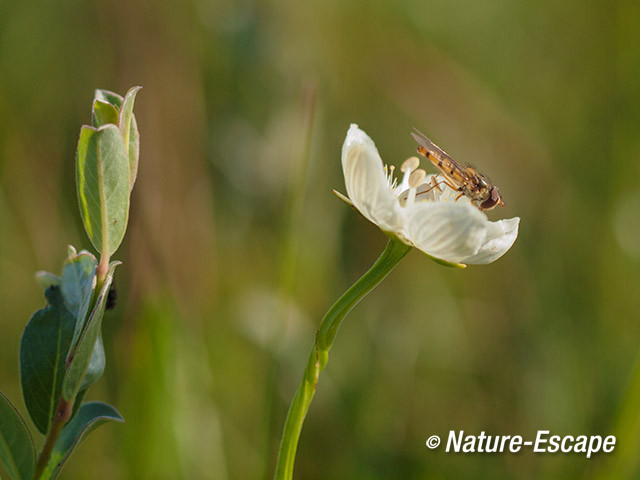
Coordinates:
61 417
319 355
64 409
102 271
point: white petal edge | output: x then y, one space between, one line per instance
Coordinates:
366 183
501 235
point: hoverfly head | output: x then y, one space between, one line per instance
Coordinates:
492 200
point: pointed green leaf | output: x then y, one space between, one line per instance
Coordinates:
83 354
103 113
16 445
78 402
78 282
108 96
96 366
102 176
43 351
129 129
90 416
134 152
125 108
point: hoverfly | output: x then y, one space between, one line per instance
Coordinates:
464 179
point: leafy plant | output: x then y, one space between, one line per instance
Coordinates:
61 351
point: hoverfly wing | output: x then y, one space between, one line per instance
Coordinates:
431 147
440 159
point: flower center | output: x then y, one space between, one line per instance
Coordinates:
413 182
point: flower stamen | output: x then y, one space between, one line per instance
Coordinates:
415 180
410 164
408 167
388 171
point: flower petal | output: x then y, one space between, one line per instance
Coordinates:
500 237
451 231
366 183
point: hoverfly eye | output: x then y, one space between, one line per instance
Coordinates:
492 201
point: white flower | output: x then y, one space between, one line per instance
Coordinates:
432 219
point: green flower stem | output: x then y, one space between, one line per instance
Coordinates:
319 355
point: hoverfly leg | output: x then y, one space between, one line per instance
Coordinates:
434 185
450 184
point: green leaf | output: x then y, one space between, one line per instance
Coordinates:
134 152
83 354
126 117
16 445
46 279
90 416
78 277
78 402
96 365
103 113
108 96
129 129
43 351
102 176
51 333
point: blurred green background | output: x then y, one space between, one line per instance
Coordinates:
236 247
